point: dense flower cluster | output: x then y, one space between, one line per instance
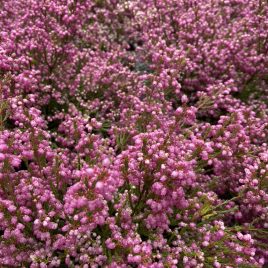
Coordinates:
134 133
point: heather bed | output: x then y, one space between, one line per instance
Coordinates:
133 133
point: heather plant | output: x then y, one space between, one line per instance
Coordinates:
133 133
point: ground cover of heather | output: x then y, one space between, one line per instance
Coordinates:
134 133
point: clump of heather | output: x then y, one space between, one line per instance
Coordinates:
133 133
